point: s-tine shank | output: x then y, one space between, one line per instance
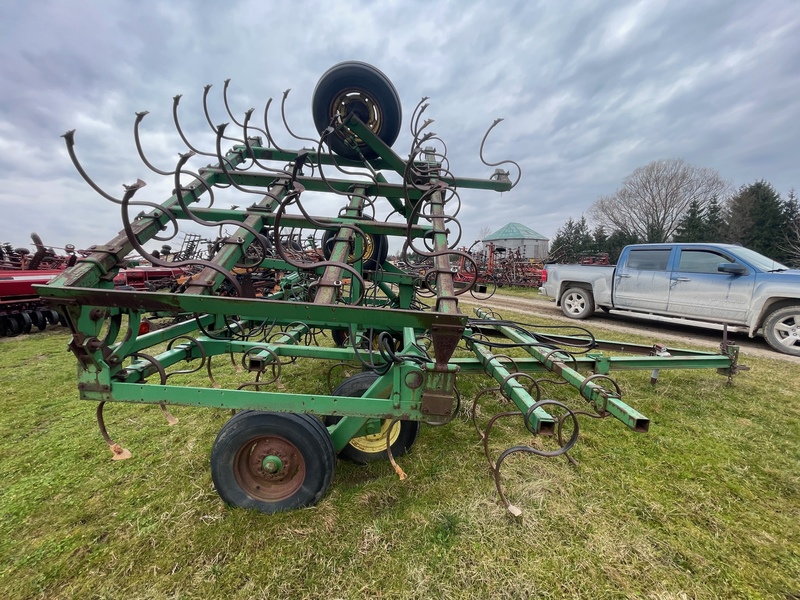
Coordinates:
445 339
446 301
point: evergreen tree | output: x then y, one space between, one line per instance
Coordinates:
716 227
572 240
616 242
693 226
599 239
791 208
792 233
756 215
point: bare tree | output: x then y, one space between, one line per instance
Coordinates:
792 242
653 198
482 235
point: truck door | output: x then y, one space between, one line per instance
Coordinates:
642 281
699 290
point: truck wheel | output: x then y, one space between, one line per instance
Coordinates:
577 303
782 329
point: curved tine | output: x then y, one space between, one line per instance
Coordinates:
224 163
329 372
563 448
139 117
119 453
286 124
192 342
372 173
503 383
70 139
560 428
225 100
562 352
502 162
296 199
327 132
513 363
256 384
157 365
130 191
420 107
179 194
488 431
324 178
489 312
175 101
529 450
245 129
400 473
448 194
274 361
167 213
214 383
475 407
439 156
425 124
602 390
270 139
206 89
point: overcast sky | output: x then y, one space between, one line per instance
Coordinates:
589 90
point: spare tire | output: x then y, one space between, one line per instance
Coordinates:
359 88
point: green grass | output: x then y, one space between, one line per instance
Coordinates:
705 505
519 292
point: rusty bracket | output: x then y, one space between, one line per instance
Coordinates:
445 339
438 392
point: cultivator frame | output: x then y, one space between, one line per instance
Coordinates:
407 334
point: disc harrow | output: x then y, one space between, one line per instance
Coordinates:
281 285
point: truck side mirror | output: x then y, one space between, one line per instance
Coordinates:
732 268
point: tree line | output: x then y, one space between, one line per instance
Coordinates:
671 200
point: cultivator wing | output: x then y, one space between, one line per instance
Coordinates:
279 282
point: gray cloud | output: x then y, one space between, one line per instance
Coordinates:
589 92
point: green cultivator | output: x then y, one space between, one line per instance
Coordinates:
281 283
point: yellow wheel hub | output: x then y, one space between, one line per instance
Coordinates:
376 442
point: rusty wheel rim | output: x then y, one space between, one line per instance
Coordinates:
269 468
362 104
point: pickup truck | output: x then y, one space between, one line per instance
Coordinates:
699 284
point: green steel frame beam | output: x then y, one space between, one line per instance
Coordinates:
603 400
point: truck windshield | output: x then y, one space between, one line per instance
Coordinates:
759 261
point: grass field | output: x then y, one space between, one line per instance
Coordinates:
705 505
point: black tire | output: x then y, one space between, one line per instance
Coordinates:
304 453
38 319
375 252
25 322
577 303
12 326
371 448
340 337
782 329
357 87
